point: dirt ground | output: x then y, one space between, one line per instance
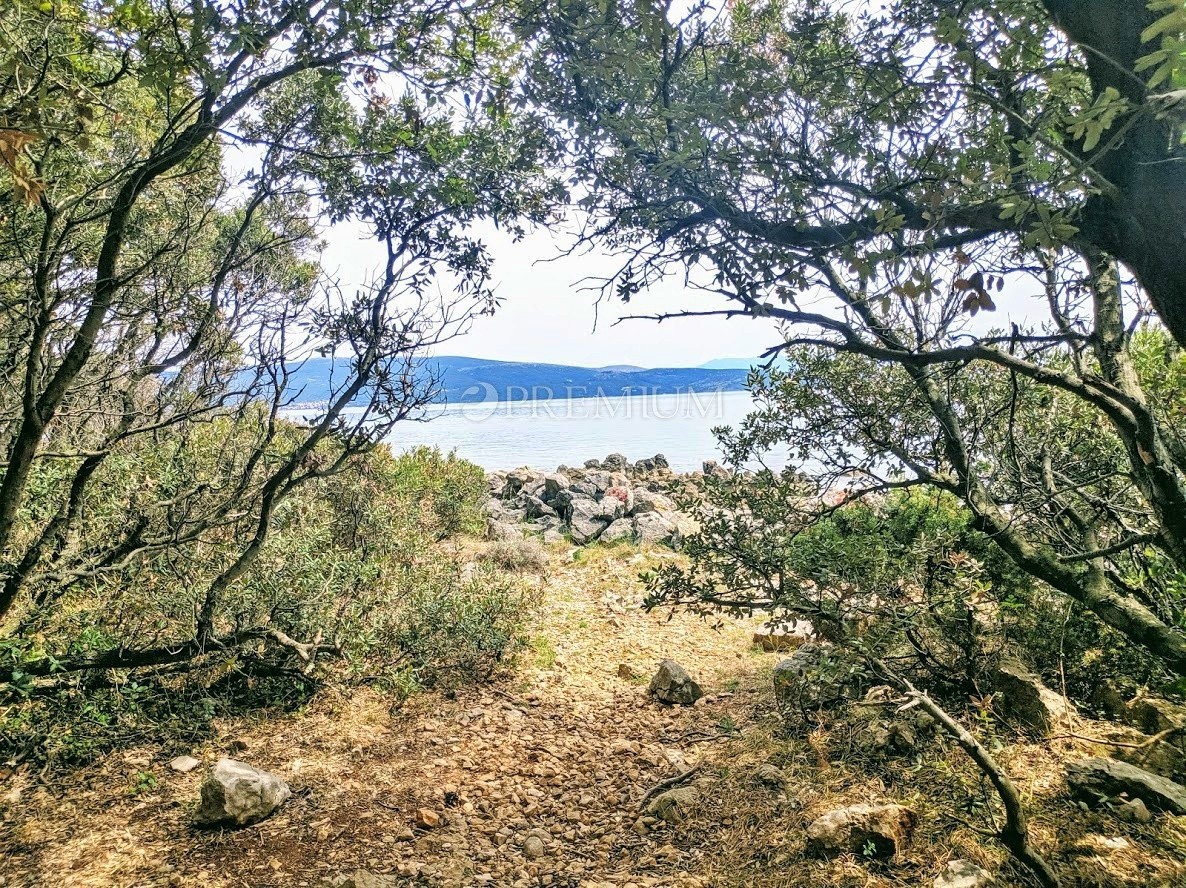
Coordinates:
563 751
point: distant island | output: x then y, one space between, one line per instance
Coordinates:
464 380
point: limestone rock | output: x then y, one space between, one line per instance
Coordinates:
615 462
783 637
675 805
964 874
646 501
1134 811
1154 715
585 521
672 684
609 508
501 530
537 508
239 794
1025 698
770 777
809 680
183 764
1093 778
653 527
622 529
553 484
426 818
878 831
713 469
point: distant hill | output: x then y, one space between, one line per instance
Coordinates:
476 380
729 364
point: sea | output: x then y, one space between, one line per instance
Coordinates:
568 431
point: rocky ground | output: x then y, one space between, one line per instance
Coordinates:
570 773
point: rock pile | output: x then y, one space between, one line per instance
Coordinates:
608 500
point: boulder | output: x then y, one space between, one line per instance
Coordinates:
623 494
964 874
646 501
585 488
615 462
553 484
782 637
609 509
1092 779
1024 697
654 528
877 831
592 464
238 794
1153 715
675 805
537 508
585 520
622 529
890 738
809 680
672 684
661 461
713 469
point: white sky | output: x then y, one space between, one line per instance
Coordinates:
547 317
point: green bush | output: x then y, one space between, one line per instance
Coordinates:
353 562
454 630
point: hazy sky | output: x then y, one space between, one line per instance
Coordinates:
547 317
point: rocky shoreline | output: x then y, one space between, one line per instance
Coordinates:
607 500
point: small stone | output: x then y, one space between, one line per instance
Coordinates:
426 818
184 764
1134 811
769 776
675 805
364 879
533 848
964 874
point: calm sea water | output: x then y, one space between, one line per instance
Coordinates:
545 434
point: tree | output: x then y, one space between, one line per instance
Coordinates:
167 168
872 182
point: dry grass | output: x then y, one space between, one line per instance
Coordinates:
523 554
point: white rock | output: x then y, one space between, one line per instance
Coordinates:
964 874
184 764
239 794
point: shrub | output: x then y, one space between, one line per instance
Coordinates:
352 564
454 630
